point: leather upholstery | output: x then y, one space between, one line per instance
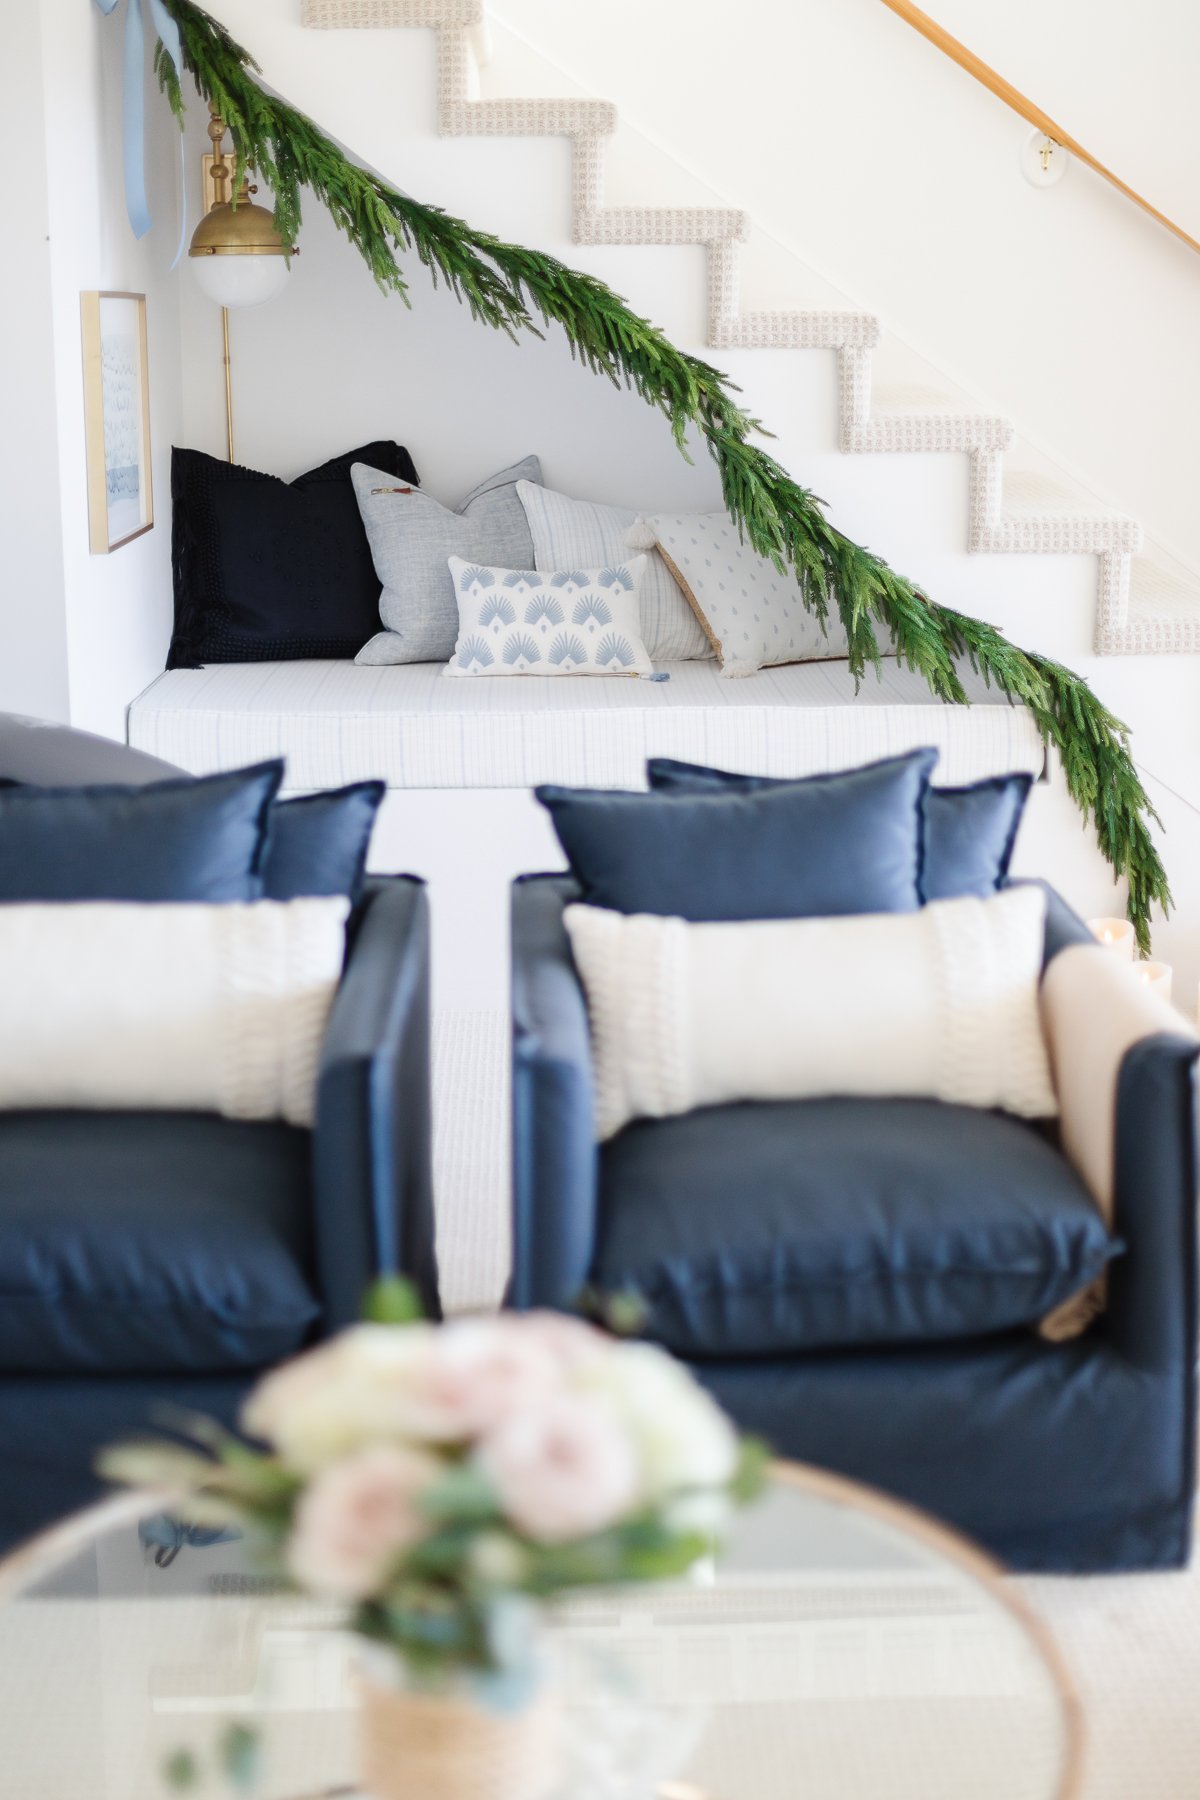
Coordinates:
1076 1456
53 1427
48 755
145 1242
372 1145
762 1230
250 1238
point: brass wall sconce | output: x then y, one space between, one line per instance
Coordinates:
237 255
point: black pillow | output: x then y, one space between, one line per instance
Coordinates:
318 844
269 570
172 840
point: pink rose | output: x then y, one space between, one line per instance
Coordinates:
356 1518
561 1470
478 1373
572 1342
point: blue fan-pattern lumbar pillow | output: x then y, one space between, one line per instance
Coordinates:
548 622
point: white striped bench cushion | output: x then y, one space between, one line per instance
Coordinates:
336 722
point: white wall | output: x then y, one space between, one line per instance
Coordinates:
33 638
334 363
117 607
895 174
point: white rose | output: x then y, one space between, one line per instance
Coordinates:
683 1438
364 1386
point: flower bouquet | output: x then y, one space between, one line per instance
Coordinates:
444 1484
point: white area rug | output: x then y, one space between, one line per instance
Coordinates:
1132 1643
471 1156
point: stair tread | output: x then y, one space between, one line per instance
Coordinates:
1028 494
905 402
1019 511
1154 589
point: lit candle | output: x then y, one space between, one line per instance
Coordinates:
1115 934
1156 976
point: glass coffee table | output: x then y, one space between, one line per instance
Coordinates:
841 1648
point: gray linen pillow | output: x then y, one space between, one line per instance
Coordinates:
411 535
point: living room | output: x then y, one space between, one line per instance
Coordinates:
599 876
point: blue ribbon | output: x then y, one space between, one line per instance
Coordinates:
134 105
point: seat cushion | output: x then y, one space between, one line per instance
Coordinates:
804 1225
135 1242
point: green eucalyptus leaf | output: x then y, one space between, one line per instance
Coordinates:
392 1300
461 1494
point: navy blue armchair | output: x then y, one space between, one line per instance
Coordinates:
151 1261
1071 1456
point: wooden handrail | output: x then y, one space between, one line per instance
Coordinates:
1011 96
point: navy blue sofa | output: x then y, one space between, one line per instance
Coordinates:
163 1260
1072 1456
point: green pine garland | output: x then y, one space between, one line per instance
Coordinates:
510 288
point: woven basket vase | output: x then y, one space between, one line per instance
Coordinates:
419 1746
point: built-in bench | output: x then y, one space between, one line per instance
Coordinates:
336 722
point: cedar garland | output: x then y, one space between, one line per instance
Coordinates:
511 288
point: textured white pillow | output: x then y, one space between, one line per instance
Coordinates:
577 534
112 1006
755 617
939 1004
566 621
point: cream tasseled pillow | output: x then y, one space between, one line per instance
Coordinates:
938 1004
112 1006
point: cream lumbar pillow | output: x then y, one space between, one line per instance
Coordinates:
549 622
579 534
117 1007
938 1004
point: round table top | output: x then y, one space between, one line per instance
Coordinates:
841 1648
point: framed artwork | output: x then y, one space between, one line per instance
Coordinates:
116 396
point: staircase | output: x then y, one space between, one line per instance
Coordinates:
1143 605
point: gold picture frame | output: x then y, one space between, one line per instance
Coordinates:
116 398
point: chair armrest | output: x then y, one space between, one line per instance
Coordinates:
1063 924
1124 1066
371 1144
554 1134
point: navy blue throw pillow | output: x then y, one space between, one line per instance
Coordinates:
318 845
969 832
170 840
844 843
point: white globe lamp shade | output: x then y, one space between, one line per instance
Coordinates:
238 255
236 280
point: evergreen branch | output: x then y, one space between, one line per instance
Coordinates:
512 289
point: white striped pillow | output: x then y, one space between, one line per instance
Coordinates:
577 534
